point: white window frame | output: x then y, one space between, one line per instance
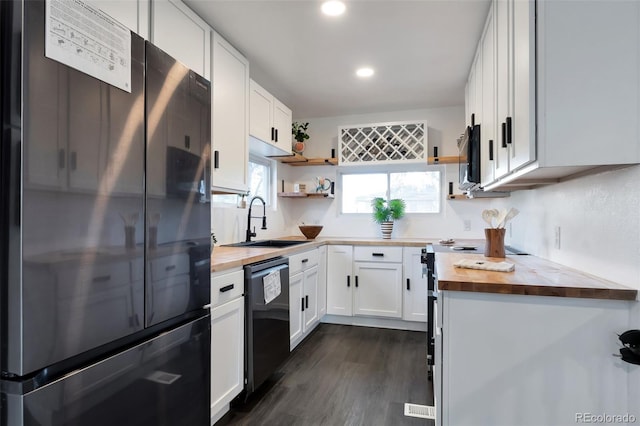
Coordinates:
271 167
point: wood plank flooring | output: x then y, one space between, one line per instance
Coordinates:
344 375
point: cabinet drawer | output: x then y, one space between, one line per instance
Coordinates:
169 266
303 261
377 254
225 287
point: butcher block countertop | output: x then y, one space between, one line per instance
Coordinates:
532 276
229 257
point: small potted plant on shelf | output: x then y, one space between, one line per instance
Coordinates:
299 132
213 240
385 212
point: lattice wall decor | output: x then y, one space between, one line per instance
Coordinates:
383 143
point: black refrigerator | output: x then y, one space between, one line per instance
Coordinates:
105 237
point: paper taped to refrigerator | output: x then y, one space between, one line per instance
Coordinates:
271 286
88 40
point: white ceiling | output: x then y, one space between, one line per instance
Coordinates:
421 51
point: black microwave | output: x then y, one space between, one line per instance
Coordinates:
469 158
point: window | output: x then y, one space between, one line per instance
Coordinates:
260 179
420 190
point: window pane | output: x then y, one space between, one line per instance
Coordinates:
420 190
259 180
359 189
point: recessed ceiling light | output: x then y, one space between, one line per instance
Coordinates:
333 8
364 72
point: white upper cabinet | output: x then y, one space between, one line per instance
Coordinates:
565 89
230 117
270 123
177 30
487 135
133 14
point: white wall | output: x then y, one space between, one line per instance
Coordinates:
599 220
444 127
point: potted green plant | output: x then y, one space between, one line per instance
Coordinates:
385 212
299 132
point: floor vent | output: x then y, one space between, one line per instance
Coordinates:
421 411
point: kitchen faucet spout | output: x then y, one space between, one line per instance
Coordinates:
249 217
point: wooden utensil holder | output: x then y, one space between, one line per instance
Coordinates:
494 245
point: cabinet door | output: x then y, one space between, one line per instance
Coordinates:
503 91
523 148
310 297
282 124
415 292
471 93
322 281
339 280
487 134
227 353
261 113
133 14
178 31
230 116
296 303
378 290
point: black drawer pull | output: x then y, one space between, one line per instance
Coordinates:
408 284
490 149
273 133
504 135
276 135
101 279
216 159
302 300
306 302
348 280
305 260
170 268
509 129
377 254
356 281
226 288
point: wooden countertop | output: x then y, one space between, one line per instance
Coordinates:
229 257
532 276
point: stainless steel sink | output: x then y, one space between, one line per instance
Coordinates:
267 243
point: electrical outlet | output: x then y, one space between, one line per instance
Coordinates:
467 225
557 237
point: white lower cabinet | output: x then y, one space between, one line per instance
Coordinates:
322 281
500 358
339 290
378 289
303 295
415 291
227 341
364 281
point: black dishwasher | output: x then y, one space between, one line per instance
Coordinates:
267 324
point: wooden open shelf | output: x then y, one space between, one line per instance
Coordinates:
443 160
457 197
305 195
299 160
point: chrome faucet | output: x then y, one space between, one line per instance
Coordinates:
264 218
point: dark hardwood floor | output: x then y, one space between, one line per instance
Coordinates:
344 375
